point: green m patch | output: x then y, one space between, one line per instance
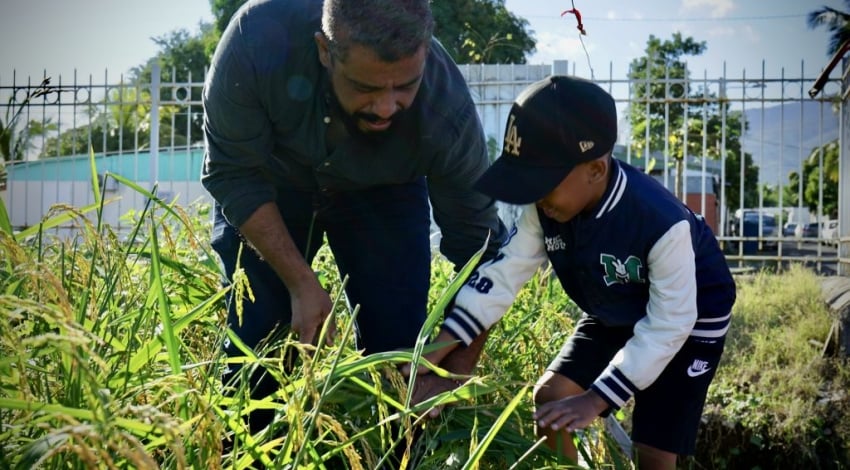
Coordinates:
619 272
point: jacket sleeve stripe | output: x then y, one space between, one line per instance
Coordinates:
711 327
614 387
453 327
463 325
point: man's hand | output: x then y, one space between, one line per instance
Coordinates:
311 306
570 413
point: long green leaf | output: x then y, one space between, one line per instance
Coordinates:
5 222
139 428
58 220
478 453
168 207
150 349
95 184
158 288
314 414
437 313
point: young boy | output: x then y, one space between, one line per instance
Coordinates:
648 273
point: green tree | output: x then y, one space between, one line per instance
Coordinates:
183 58
836 21
223 10
182 55
669 118
16 141
121 123
838 24
496 36
118 123
822 163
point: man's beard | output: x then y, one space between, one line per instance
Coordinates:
351 120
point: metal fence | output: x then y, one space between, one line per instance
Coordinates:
149 131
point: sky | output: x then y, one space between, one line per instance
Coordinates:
59 37
742 34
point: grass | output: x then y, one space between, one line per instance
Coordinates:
110 357
778 398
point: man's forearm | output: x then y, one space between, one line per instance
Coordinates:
267 233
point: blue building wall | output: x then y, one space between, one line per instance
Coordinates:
173 165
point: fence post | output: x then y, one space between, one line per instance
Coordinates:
154 148
844 173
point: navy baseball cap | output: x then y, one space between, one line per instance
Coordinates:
554 125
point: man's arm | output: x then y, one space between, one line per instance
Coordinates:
238 137
311 304
466 217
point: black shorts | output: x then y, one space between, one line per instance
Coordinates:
667 413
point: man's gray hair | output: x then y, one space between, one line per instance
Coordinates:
393 29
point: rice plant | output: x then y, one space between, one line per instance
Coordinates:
112 358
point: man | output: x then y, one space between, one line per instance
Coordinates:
342 119
648 273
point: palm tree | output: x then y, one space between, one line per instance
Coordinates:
838 23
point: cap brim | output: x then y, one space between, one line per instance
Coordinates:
514 183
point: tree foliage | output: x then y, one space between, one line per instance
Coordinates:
494 36
16 140
836 21
222 11
183 58
120 122
669 118
820 165
838 24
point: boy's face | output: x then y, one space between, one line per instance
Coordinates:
371 91
577 192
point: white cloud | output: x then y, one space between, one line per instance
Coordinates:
613 15
552 47
750 34
721 31
716 8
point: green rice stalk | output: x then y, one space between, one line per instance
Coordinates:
472 463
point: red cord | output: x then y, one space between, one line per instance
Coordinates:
577 14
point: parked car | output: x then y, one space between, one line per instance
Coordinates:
830 232
755 223
788 229
810 230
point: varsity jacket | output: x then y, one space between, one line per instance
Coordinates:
641 258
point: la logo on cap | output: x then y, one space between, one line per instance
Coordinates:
512 138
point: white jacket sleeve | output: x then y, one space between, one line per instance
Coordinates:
670 317
491 289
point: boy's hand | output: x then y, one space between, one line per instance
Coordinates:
430 385
435 357
570 413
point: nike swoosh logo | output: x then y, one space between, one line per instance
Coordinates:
697 373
